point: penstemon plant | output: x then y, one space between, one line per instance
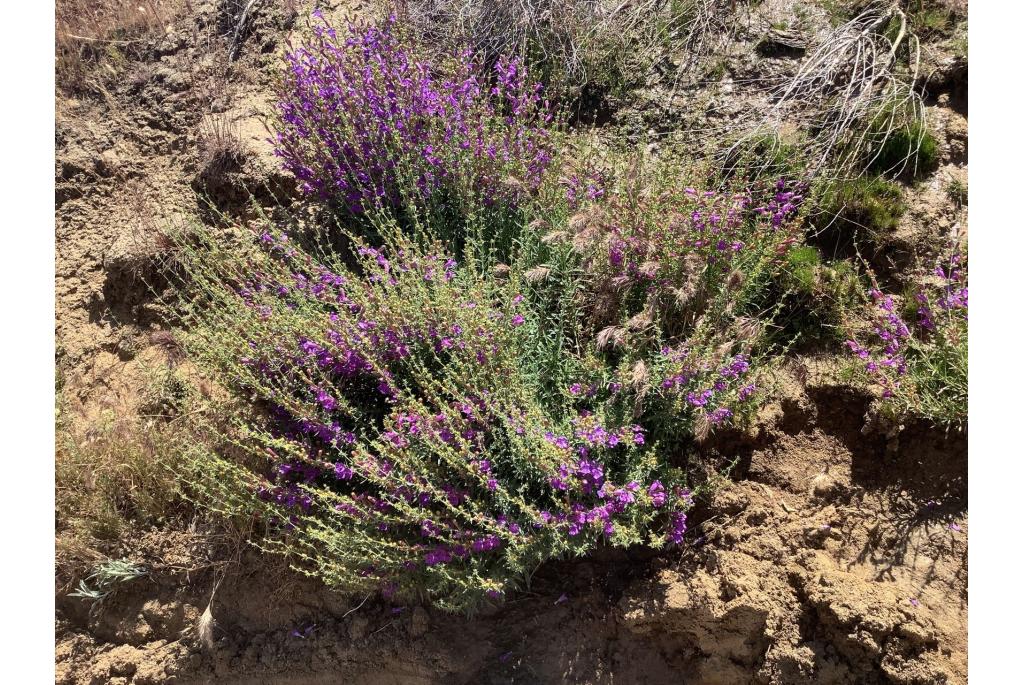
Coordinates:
487 364
399 446
362 121
918 356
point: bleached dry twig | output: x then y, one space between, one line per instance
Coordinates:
849 94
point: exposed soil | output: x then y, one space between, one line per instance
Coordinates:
836 557
837 554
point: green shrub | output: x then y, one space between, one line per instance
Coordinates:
420 409
422 419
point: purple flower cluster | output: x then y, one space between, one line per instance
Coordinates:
360 438
605 501
590 186
715 226
363 122
784 203
923 368
714 390
891 330
947 294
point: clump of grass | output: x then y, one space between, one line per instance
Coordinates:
909 150
823 294
112 477
930 20
869 207
220 145
956 191
763 156
803 264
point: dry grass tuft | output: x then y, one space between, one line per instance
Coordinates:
112 478
577 42
220 145
91 33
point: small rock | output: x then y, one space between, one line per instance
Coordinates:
174 80
823 486
107 163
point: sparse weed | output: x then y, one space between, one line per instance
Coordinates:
855 103
220 145
959 42
956 191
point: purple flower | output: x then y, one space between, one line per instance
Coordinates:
699 399
436 556
324 399
719 415
657 493
677 528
